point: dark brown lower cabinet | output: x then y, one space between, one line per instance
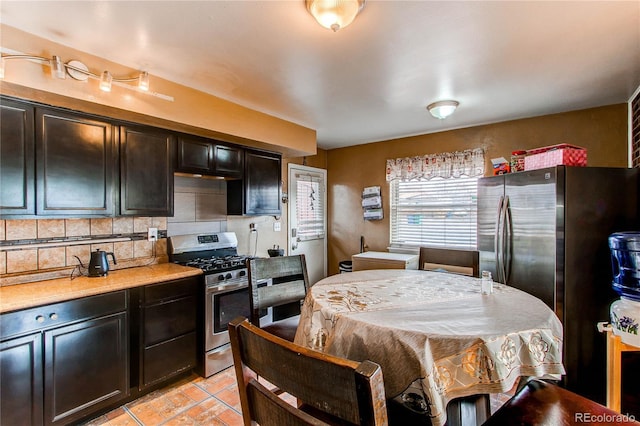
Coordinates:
21 380
61 362
86 367
168 313
68 362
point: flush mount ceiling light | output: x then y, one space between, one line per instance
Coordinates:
334 14
442 109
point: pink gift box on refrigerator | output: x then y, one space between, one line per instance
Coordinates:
555 155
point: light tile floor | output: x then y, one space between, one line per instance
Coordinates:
191 401
197 401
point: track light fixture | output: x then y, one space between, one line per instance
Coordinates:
78 71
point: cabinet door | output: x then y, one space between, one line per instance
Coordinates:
262 183
17 185
146 172
75 164
86 367
21 381
194 155
228 160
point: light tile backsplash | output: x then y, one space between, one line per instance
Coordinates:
102 226
27 255
53 257
51 228
22 261
77 227
21 230
200 205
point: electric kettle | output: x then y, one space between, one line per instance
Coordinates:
99 265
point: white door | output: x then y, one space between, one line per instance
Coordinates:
308 218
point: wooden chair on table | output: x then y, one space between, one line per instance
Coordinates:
466 262
279 283
542 403
329 390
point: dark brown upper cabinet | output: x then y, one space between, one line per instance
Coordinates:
208 157
259 192
228 160
75 164
17 192
194 155
146 171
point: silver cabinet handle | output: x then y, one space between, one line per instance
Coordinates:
53 316
40 318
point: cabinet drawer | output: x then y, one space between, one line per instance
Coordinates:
48 316
170 319
168 358
170 290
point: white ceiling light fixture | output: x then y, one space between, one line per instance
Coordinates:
334 14
442 109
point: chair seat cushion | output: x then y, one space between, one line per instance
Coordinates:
285 328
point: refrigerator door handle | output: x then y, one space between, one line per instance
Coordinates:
507 240
497 242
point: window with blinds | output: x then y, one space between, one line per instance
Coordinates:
310 208
437 213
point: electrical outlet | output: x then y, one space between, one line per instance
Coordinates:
277 226
152 234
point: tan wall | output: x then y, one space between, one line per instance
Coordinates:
603 131
191 111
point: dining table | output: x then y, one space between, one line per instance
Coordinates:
435 335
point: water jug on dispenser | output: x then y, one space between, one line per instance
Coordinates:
625 262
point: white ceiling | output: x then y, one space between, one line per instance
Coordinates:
372 80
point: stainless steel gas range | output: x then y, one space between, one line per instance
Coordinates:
226 294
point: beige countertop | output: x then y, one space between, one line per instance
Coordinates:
22 296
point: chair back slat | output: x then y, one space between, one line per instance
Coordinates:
280 294
335 387
465 262
277 267
289 283
269 409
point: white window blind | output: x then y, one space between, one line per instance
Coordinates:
438 212
310 207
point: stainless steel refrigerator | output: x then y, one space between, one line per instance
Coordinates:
545 232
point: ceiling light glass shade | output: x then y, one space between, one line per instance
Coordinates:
334 14
57 68
143 81
442 109
105 81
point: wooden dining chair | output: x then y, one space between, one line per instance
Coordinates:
279 283
465 262
329 390
542 403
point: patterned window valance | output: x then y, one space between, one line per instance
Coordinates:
446 165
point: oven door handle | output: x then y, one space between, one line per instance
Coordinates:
225 288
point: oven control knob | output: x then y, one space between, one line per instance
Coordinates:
228 276
242 273
221 277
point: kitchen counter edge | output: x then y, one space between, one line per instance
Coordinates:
23 296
